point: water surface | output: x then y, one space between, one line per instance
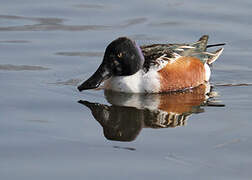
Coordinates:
48 47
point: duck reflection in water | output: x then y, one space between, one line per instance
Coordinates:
129 113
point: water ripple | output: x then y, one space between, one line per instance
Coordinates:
90 6
10 67
87 54
14 41
54 24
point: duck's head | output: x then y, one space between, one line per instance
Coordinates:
123 57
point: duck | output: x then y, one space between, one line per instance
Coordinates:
156 68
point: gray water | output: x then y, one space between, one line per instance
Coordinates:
48 47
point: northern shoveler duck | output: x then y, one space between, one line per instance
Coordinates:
156 68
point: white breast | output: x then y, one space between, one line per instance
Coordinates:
139 82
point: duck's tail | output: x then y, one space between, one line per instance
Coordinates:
201 46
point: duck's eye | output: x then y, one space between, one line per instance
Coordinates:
120 55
